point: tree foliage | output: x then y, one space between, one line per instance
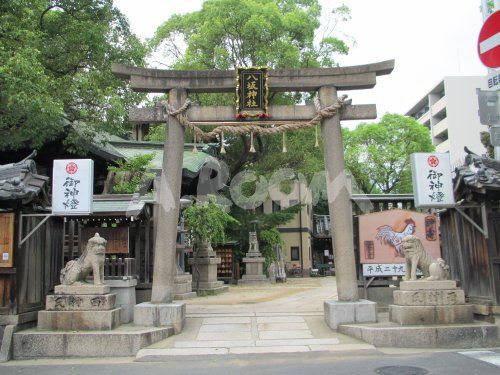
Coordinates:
129 174
207 221
229 33
55 59
378 154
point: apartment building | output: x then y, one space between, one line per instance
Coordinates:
450 111
297 233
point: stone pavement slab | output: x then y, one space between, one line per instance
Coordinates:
214 344
280 319
272 349
297 342
227 319
231 327
282 326
277 335
211 336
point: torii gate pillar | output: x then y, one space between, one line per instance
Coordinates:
348 308
161 310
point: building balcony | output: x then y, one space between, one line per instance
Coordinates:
425 118
440 127
439 107
443 146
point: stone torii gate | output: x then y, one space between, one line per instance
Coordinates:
179 84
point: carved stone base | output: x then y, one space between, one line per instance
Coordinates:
207 268
78 320
415 315
254 270
429 297
253 280
78 302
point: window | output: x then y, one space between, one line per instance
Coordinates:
293 202
294 253
276 206
260 208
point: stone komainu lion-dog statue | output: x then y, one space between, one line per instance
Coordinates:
417 257
92 259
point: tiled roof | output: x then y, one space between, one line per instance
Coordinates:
479 174
20 181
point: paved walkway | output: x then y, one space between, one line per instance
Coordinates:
280 318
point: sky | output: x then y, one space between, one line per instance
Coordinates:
429 39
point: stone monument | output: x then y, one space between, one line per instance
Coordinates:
77 305
254 263
205 270
433 299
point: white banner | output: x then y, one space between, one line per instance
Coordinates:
385 269
72 187
432 181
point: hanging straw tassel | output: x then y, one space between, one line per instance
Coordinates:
194 150
284 143
252 149
317 143
222 148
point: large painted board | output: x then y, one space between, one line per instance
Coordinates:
381 234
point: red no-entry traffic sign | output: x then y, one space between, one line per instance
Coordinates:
488 44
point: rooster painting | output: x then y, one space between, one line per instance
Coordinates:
386 234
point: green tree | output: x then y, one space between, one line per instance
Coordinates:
229 33
207 221
378 154
129 174
55 59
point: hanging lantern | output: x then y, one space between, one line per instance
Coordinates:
284 143
252 148
222 148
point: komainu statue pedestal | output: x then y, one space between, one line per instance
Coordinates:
254 264
430 302
80 308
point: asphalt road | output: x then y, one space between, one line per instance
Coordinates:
298 363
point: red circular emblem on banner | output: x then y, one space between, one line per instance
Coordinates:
71 168
433 161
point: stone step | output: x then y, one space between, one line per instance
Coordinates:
476 334
213 290
260 343
123 342
158 355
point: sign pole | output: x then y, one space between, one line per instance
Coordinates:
490 67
